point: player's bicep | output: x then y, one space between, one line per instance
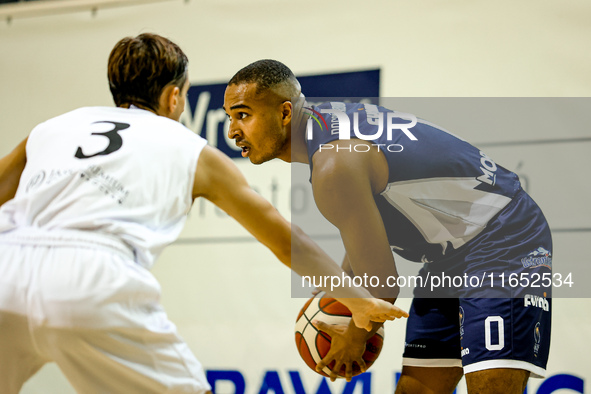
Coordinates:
214 174
342 190
221 182
344 195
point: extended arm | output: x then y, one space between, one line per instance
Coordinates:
344 184
11 168
219 180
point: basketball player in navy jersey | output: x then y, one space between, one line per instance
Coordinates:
431 198
88 202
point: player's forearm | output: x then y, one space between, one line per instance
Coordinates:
346 266
308 259
375 269
387 293
11 168
361 333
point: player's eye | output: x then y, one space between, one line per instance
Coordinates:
242 115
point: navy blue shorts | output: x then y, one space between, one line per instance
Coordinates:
504 323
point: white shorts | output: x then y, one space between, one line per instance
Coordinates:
84 304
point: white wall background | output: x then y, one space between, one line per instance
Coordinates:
231 301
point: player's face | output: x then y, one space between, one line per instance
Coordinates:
256 122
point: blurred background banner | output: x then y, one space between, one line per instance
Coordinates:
229 297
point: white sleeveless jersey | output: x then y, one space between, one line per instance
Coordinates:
118 172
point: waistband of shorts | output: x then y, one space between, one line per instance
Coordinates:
67 238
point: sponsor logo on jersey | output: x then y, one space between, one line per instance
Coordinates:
415 345
538 258
536 301
465 352
488 168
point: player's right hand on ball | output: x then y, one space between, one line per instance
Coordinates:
347 347
366 310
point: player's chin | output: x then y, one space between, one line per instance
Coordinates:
255 159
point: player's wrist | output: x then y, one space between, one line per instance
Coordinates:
358 334
358 305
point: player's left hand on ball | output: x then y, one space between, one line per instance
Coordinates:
347 347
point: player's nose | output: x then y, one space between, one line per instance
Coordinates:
233 131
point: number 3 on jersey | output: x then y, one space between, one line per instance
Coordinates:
115 140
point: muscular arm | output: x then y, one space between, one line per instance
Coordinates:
11 168
344 185
219 180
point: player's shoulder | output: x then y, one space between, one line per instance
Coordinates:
62 120
117 114
343 106
350 105
87 114
85 111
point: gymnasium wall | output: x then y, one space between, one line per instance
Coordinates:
228 295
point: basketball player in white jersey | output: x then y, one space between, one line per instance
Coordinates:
89 201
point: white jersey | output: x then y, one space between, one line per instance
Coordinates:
124 173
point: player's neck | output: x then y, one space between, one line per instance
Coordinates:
137 106
298 152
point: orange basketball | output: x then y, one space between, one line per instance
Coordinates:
313 345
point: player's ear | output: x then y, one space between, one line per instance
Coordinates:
169 100
173 98
286 112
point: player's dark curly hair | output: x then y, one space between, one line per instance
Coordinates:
141 67
265 73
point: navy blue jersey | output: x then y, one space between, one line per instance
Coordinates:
441 193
